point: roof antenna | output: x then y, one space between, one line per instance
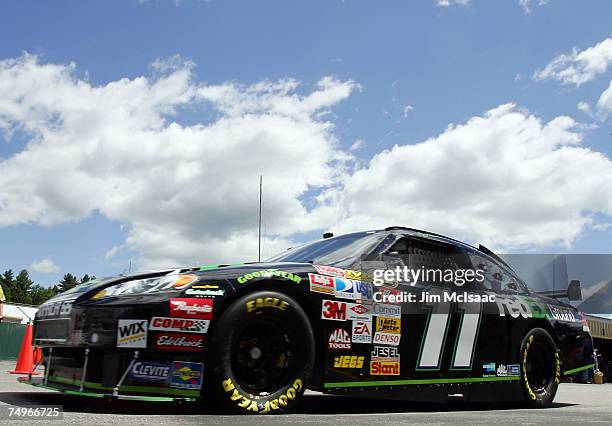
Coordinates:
259 238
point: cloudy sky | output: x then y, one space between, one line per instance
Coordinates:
136 131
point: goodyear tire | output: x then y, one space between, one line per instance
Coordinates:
540 368
261 355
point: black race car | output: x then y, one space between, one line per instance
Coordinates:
334 316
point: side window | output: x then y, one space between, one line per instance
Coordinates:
496 277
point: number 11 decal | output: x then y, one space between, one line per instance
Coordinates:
436 330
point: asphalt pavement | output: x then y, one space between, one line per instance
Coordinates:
575 403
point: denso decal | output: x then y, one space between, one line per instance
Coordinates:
186 375
339 339
387 338
384 368
191 308
266 302
362 332
149 371
330 270
385 310
359 311
345 288
132 333
333 310
385 353
188 342
389 325
321 284
348 361
184 325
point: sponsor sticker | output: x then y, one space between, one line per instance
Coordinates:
345 288
385 310
359 311
514 370
333 310
339 339
502 370
321 283
488 369
389 325
149 371
387 338
330 270
362 332
384 368
348 361
385 353
353 275
205 290
191 308
132 333
179 342
185 325
363 291
186 375
390 295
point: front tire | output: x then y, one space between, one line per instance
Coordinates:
261 355
540 368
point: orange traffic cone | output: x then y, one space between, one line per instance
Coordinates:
25 362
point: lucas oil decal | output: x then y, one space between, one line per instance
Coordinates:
186 375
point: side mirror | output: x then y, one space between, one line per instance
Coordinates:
574 292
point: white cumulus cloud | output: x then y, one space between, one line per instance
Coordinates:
528 4
44 266
447 3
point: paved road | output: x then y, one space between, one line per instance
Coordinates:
574 403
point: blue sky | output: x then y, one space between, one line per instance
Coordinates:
417 67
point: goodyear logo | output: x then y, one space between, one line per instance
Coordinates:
266 302
348 361
269 273
389 325
253 405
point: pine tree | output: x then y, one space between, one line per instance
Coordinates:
7 282
21 288
69 281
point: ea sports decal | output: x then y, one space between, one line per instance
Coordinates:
190 307
188 342
186 375
184 325
339 339
321 283
149 371
333 310
132 333
362 332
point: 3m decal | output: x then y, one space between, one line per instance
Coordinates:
362 332
266 302
132 333
187 375
385 353
387 338
359 311
384 368
488 369
333 310
252 405
179 342
345 288
348 361
184 325
330 270
339 339
321 284
385 310
149 371
191 308
389 325
267 274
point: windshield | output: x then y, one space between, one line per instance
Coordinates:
345 250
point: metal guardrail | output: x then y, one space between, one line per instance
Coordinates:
601 328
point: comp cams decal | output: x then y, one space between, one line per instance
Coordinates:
249 404
339 339
184 325
330 270
132 333
191 308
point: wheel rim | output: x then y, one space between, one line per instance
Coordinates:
539 367
262 356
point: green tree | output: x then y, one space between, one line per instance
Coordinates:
41 294
21 288
7 282
85 279
69 281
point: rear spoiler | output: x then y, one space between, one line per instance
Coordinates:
573 292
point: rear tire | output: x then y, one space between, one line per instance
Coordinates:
540 368
261 355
